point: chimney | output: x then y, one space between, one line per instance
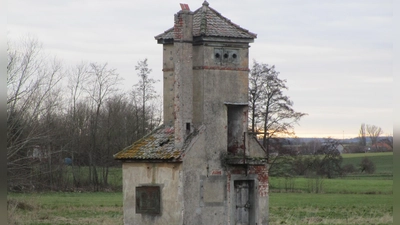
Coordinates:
183 70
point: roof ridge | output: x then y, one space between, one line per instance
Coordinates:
229 21
203 20
209 22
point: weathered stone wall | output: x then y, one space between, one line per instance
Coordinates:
183 69
169 177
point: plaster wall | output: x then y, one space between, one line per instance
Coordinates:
204 187
198 78
254 149
218 84
169 177
168 82
183 69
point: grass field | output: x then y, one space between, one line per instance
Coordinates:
333 186
358 199
65 208
294 208
382 160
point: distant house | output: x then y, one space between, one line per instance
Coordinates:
201 166
340 148
381 147
37 153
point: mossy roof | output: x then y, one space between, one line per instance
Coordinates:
158 145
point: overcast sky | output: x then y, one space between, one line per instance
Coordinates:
335 55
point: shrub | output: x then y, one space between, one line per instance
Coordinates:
367 166
348 168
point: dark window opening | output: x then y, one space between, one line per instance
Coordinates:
236 129
217 55
234 56
148 200
187 128
226 55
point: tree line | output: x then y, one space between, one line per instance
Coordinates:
76 116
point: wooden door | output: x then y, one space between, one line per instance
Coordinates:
243 202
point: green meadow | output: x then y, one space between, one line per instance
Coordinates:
355 199
65 208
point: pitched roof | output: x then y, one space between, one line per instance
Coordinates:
208 22
159 144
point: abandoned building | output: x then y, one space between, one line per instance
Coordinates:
202 166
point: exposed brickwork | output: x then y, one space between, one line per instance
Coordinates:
216 172
178 27
262 176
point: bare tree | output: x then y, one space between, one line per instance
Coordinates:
272 111
363 135
102 83
46 126
77 117
374 132
145 87
32 78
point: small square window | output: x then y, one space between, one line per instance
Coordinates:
148 200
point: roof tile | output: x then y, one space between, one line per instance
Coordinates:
159 144
208 22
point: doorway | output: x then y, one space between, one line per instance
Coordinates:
244 202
